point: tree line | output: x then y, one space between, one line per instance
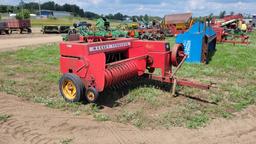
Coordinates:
75 10
33 8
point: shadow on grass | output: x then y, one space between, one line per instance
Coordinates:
110 96
197 99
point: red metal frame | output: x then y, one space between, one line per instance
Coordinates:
173 30
221 34
16 24
182 82
231 17
88 61
131 33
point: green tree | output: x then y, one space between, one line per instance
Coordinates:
210 15
146 18
23 14
118 16
109 16
3 9
222 14
91 15
32 6
49 5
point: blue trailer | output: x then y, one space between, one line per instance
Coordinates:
199 43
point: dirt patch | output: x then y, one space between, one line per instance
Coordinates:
15 41
31 123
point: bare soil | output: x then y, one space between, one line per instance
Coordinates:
36 124
15 41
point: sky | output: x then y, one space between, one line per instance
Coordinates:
157 7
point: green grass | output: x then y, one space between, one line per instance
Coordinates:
33 74
4 117
66 141
69 21
197 121
59 21
147 94
137 118
101 117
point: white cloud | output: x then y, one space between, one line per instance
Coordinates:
158 8
96 2
141 8
163 4
196 4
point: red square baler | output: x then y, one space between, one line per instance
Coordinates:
89 68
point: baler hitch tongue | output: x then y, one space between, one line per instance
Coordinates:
183 82
199 85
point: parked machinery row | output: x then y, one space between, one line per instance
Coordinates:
55 29
231 29
102 28
92 63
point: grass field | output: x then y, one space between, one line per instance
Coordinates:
65 21
4 118
33 74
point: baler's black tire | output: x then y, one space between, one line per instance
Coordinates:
91 95
71 88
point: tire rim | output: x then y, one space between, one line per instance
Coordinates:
90 96
69 89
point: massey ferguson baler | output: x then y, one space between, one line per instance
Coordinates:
89 68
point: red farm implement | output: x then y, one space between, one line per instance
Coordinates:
3 28
177 23
18 25
227 37
90 67
228 31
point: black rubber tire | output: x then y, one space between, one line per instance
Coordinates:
78 84
7 32
29 30
95 93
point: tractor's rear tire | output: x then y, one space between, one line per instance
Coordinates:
91 95
71 88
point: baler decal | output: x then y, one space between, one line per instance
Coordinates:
109 46
187 45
